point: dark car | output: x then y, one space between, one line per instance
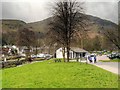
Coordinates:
114 56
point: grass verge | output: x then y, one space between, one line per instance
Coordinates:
114 60
49 74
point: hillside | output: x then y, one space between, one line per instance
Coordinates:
40 26
95 25
9 25
94 28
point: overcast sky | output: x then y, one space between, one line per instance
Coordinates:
34 10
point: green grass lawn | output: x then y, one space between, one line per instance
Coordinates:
114 60
48 74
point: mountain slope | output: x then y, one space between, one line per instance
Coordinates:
95 26
9 25
42 25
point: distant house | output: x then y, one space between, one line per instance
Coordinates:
74 53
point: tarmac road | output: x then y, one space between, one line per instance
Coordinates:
109 66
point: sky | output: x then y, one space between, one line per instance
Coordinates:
37 10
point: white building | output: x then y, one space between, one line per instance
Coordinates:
74 53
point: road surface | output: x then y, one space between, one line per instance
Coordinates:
109 66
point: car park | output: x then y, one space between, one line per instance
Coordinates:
114 56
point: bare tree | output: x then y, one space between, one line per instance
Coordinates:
26 38
38 41
113 37
67 16
52 41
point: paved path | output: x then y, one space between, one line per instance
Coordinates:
110 66
103 57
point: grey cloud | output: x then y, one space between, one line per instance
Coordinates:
105 10
15 10
34 11
119 11
0 10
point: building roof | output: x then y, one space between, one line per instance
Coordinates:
76 49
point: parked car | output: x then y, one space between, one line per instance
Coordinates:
41 55
48 56
33 56
38 55
22 55
118 55
114 56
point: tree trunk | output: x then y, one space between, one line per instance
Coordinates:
28 53
36 51
63 52
68 53
81 43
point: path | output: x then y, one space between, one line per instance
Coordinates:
110 66
103 57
